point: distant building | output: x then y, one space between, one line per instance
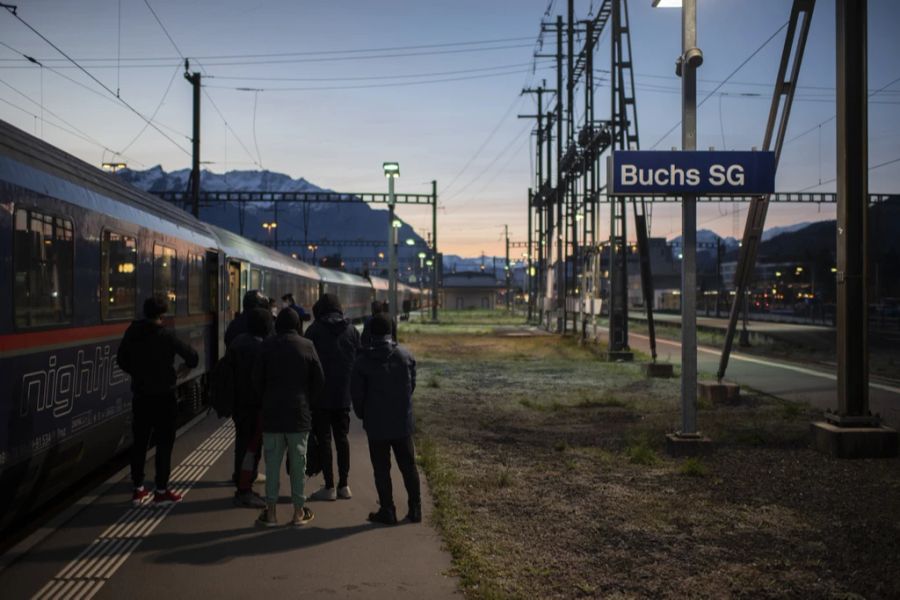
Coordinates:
469 290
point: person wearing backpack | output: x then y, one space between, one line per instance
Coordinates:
241 359
381 386
287 377
337 342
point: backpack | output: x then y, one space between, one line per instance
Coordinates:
221 389
313 460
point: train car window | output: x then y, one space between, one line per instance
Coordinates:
196 282
43 257
118 276
255 279
165 275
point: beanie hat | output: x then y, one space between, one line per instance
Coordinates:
287 320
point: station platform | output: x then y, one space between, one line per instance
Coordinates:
207 547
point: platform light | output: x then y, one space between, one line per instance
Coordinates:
422 255
113 167
397 224
666 3
410 242
429 262
391 169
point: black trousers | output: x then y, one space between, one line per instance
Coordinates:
405 455
244 429
153 416
328 424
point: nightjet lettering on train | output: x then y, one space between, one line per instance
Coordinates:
58 386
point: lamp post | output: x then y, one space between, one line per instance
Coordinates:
686 67
312 248
392 171
269 227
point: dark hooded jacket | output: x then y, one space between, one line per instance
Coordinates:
382 385
337 343
252 300
147 353
242 355
287 377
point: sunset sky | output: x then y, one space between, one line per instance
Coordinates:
333 89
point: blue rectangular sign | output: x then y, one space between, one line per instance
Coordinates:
635 173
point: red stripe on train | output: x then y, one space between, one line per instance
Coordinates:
73 335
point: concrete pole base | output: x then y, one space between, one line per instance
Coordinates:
854 442
619 356
663 370
714 392
679 445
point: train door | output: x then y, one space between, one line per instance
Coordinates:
233 292
214 294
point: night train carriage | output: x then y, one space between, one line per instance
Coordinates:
79 251
354 292
252 266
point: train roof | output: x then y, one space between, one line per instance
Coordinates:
332 276
239 247
379 283
48 170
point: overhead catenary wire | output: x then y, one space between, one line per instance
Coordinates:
15 14
69 128
207 94
723 82
364 86
320 59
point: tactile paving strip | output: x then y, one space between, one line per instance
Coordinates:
95 565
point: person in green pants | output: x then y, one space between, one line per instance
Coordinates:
287 377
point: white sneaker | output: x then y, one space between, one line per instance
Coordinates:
324 494
260 478
344 493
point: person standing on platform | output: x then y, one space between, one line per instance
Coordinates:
337 342
382 385
252 299
287 377
242 355
287 301
147 353
366 336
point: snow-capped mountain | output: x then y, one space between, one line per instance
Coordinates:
299 225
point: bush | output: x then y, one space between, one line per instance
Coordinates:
693 467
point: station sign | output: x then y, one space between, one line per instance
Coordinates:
645 173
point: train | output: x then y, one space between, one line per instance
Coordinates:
80 250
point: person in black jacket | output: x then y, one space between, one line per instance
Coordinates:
147 353
336 342
241 356
287 377
382 385
252 299
378 308
287 301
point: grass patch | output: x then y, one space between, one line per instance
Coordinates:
504 478
433 382
693 467
473 568
639 452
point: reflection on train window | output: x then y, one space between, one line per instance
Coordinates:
43 257
164 274
255 279
196 277
118 276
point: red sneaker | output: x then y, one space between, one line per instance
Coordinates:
166 498
139 495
